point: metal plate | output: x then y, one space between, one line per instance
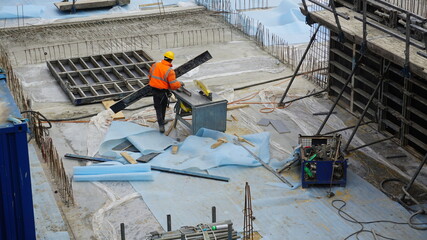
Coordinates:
102 77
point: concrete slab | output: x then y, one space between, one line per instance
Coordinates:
48 219
100 208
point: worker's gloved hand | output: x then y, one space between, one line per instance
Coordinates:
182 83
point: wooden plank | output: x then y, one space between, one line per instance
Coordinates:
149 4
128 157
107 104
86 4
237 107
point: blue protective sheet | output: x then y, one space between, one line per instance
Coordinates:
113 171
282 19
47 10
285 21
281 213
146 140
196 152
26 11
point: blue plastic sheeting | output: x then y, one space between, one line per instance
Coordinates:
285 20
146 140
26 11
113 171
102 169
196 152
146 176
280 213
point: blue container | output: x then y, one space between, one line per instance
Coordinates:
323 173
16 202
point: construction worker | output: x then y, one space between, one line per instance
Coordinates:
162 78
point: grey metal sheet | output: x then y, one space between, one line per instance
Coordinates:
279 126
264 122
197 99
205 113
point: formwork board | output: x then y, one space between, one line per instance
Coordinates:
102 77
404 118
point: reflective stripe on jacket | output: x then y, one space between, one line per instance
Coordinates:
162 76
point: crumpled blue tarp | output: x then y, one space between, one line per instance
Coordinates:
196 152
146 140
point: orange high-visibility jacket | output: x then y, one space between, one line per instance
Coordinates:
162 76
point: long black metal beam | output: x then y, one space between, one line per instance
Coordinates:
277 79
369 144
409 185
368 104
363 52
422 54
156 168
299 65
334 10
340 94
306 96
346 128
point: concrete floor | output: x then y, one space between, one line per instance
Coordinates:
100 207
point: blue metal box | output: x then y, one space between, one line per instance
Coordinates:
321 161
16 203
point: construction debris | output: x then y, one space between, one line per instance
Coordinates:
218 231
265 165
219 142
156 168
279 126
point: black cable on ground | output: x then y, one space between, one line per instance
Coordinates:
31 112
41 115
351 219
418 226
71 119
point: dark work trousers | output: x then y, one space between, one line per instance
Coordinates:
161 101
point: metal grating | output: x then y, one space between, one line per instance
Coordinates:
102 77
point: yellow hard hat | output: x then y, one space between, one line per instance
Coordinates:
170 55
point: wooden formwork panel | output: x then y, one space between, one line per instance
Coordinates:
400 104
102 77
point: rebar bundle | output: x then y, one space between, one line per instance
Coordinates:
219 231
248 228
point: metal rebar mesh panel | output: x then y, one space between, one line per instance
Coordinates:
108 76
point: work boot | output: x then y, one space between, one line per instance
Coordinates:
162 128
